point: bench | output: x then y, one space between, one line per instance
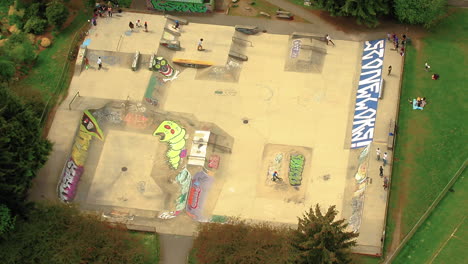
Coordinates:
391 134
237 55
136 58
249 30
174 18
285 16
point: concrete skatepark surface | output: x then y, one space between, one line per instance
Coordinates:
287 111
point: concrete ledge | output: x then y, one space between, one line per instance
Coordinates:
174 18
172 31
237 55
391 135
136 58
79 64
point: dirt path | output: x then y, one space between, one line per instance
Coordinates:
175 249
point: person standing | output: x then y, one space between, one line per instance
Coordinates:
109 11
427 67
130 25
389 69
385 158
381 171
99 62
378 153
327 37
86 61
200 45
385 183
146 27
177 24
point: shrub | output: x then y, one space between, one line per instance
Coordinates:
425 12
45 42
56 13
7 71
19 49
16 20
36 10
35 25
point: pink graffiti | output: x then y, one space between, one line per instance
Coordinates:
70 177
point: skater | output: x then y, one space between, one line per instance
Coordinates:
427 67
94 21
275 176
86 61
381 171
146 27
99 62
109 11
389 36
378 153
389 69
327 37
130 25
385 159
138 23
177 24
200 47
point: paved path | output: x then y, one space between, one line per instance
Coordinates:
175 249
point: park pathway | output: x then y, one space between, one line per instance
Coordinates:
174 248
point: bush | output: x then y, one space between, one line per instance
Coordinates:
424 12
16 20
45 42
36 10
35 25
56 13
7 70
19 49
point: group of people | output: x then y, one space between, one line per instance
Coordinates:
381 169
396 42
137 24
420 101
101 10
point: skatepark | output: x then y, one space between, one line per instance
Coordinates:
159 143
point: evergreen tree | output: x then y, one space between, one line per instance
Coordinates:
22 150
319 239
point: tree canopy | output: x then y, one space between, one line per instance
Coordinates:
241 243
321 239
59 234
424 12
56 13
22 150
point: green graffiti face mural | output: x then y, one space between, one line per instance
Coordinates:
174 135
179 6
90 126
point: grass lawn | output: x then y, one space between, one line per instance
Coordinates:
151 242
42 80
434 240
431 144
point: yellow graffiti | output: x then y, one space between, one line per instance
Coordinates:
174 135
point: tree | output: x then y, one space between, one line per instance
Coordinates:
425 12
7 70
22 150
365 11
322 240
7 221
35 25
241 243
19 48
56 13
59 234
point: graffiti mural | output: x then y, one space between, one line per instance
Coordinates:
183 179
199 188
174 135
179 6
296 165
357 202
74 167
161 65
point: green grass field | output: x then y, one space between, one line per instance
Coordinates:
431 144
151 242
433 242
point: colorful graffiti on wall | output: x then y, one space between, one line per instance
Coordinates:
174 135
183 179
201 183
74 167
296 165
179 6
360 187
161 65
